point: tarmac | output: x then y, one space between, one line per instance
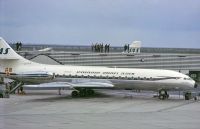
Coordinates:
107 110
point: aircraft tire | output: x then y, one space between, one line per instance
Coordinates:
1 95
195 98
188 96
163 95
90 92
83 93
75 93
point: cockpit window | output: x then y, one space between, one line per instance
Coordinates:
187 78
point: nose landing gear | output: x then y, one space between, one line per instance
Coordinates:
163 94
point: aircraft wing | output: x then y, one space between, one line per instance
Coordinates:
74 84
52 85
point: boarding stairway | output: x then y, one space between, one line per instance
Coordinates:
19 84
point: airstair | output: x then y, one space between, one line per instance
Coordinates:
16 87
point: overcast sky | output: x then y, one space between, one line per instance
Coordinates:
157 23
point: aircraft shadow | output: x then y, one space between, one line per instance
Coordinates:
66 97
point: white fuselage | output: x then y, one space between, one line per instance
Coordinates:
147 79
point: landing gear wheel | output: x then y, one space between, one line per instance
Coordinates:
163 95
90 92
83 93
195 98
188 96
75 93
1 95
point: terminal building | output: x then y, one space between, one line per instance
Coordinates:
184 60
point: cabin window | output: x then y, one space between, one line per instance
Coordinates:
128 78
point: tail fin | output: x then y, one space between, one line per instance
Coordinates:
6 52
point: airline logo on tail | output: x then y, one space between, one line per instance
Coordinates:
4 51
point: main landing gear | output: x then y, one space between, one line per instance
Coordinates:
83 92
190 95
163 94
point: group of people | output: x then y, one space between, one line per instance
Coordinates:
126 48
99 47
18 46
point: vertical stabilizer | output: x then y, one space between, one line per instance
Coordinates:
6 52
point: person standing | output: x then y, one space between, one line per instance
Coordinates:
20 46
95 47
17 46
92 47
108 48
125 48
101 47
128 48
105 48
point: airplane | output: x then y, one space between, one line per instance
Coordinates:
82 80
45 49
